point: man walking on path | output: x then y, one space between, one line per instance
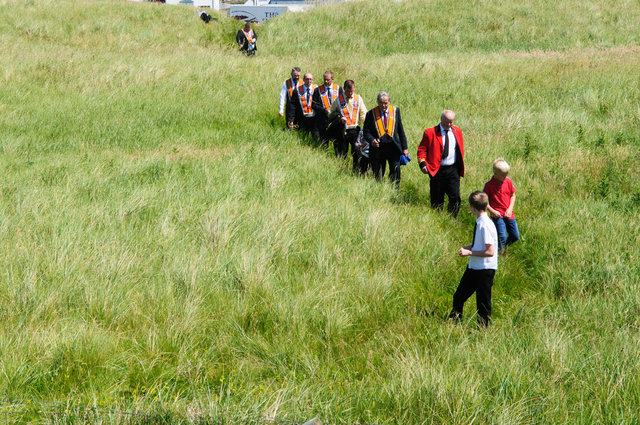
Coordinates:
323 97
384 132
300 110
441 155
287 89
351 111
246 39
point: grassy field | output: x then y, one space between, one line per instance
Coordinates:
166 248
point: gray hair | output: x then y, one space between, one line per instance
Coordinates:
383 94
448 112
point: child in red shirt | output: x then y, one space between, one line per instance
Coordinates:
502 198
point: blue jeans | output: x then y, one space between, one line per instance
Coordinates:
507 231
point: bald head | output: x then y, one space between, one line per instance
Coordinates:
308 79
446 119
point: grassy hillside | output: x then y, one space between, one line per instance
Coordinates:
166 248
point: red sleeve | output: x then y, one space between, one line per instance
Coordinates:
488 190
422 148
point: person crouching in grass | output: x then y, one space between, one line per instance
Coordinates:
483 263
502 198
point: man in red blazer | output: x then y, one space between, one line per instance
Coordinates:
441 155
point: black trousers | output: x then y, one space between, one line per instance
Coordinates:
309 124
341 142
480 282
446 181
380 156
341 145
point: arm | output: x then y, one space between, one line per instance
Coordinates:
422 153
465 251
494 211
316 103
291 108
366 131
509 212
335 112
362 112
283 98
401 135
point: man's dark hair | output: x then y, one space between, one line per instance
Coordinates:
348 84
296 69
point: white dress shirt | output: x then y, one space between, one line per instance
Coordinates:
451 157
283 94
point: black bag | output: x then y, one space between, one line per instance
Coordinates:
205 17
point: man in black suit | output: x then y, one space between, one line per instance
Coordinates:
300 108
323 98
246 39
384 132
347 114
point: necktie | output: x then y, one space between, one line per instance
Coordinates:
473 241
386 120
329 95
445 151
308 91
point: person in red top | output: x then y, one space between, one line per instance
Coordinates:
441 155
502 198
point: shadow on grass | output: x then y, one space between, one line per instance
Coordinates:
411 194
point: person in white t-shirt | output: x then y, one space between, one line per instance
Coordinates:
483 263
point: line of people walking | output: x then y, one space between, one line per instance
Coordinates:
332 113
377 138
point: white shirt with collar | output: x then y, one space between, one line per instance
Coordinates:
283 94
310 91
451 158
333 95
485 234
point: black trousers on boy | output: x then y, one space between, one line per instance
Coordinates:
480 282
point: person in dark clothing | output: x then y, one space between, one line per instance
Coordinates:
384 132
246 39
441 156
300 110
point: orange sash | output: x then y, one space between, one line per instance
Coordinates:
307 110
352 119
380 125
325 96
290 87
250 36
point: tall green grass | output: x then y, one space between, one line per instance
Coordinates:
166 248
